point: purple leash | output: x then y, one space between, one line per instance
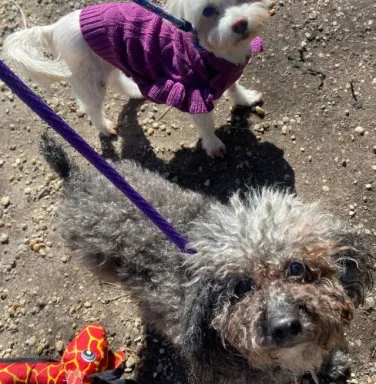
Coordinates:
36 104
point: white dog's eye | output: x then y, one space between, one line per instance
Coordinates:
209 11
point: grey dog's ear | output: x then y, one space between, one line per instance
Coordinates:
199 338
200 341
356 262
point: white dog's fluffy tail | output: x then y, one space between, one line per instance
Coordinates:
27 50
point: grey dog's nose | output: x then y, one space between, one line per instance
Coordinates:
285 329
240 26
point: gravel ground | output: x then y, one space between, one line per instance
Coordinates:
318 136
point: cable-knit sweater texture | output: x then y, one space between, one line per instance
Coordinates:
161 59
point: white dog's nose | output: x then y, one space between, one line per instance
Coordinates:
240 26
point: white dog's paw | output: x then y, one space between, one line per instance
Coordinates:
110 129
248 98
126 85
214 147
134 93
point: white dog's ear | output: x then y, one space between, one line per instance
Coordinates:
260 16
176 7
266 3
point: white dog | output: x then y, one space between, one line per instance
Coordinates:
94 47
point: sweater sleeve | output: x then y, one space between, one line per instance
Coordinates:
173 93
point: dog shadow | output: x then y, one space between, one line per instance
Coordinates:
248 162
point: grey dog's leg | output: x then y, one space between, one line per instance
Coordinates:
335 367
334 370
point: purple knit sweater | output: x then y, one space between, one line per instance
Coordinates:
160 58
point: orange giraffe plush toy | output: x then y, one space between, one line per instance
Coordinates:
86 359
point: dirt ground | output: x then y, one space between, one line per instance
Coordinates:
318 77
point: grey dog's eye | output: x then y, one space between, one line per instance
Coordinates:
209 11
296 270
243 287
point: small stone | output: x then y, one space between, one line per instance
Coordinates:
150 131
352 213
40 349
138 339
368 186
59 346
374 149
32 340
310 158
4 238
284 130
259 110
359 130
5 201
41 303
130 363
27 191
312 16
370 302
347 112
325 188
87 304
285 120
37 247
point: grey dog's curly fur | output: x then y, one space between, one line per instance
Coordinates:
216 306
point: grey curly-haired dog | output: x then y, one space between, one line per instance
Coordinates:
264 300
